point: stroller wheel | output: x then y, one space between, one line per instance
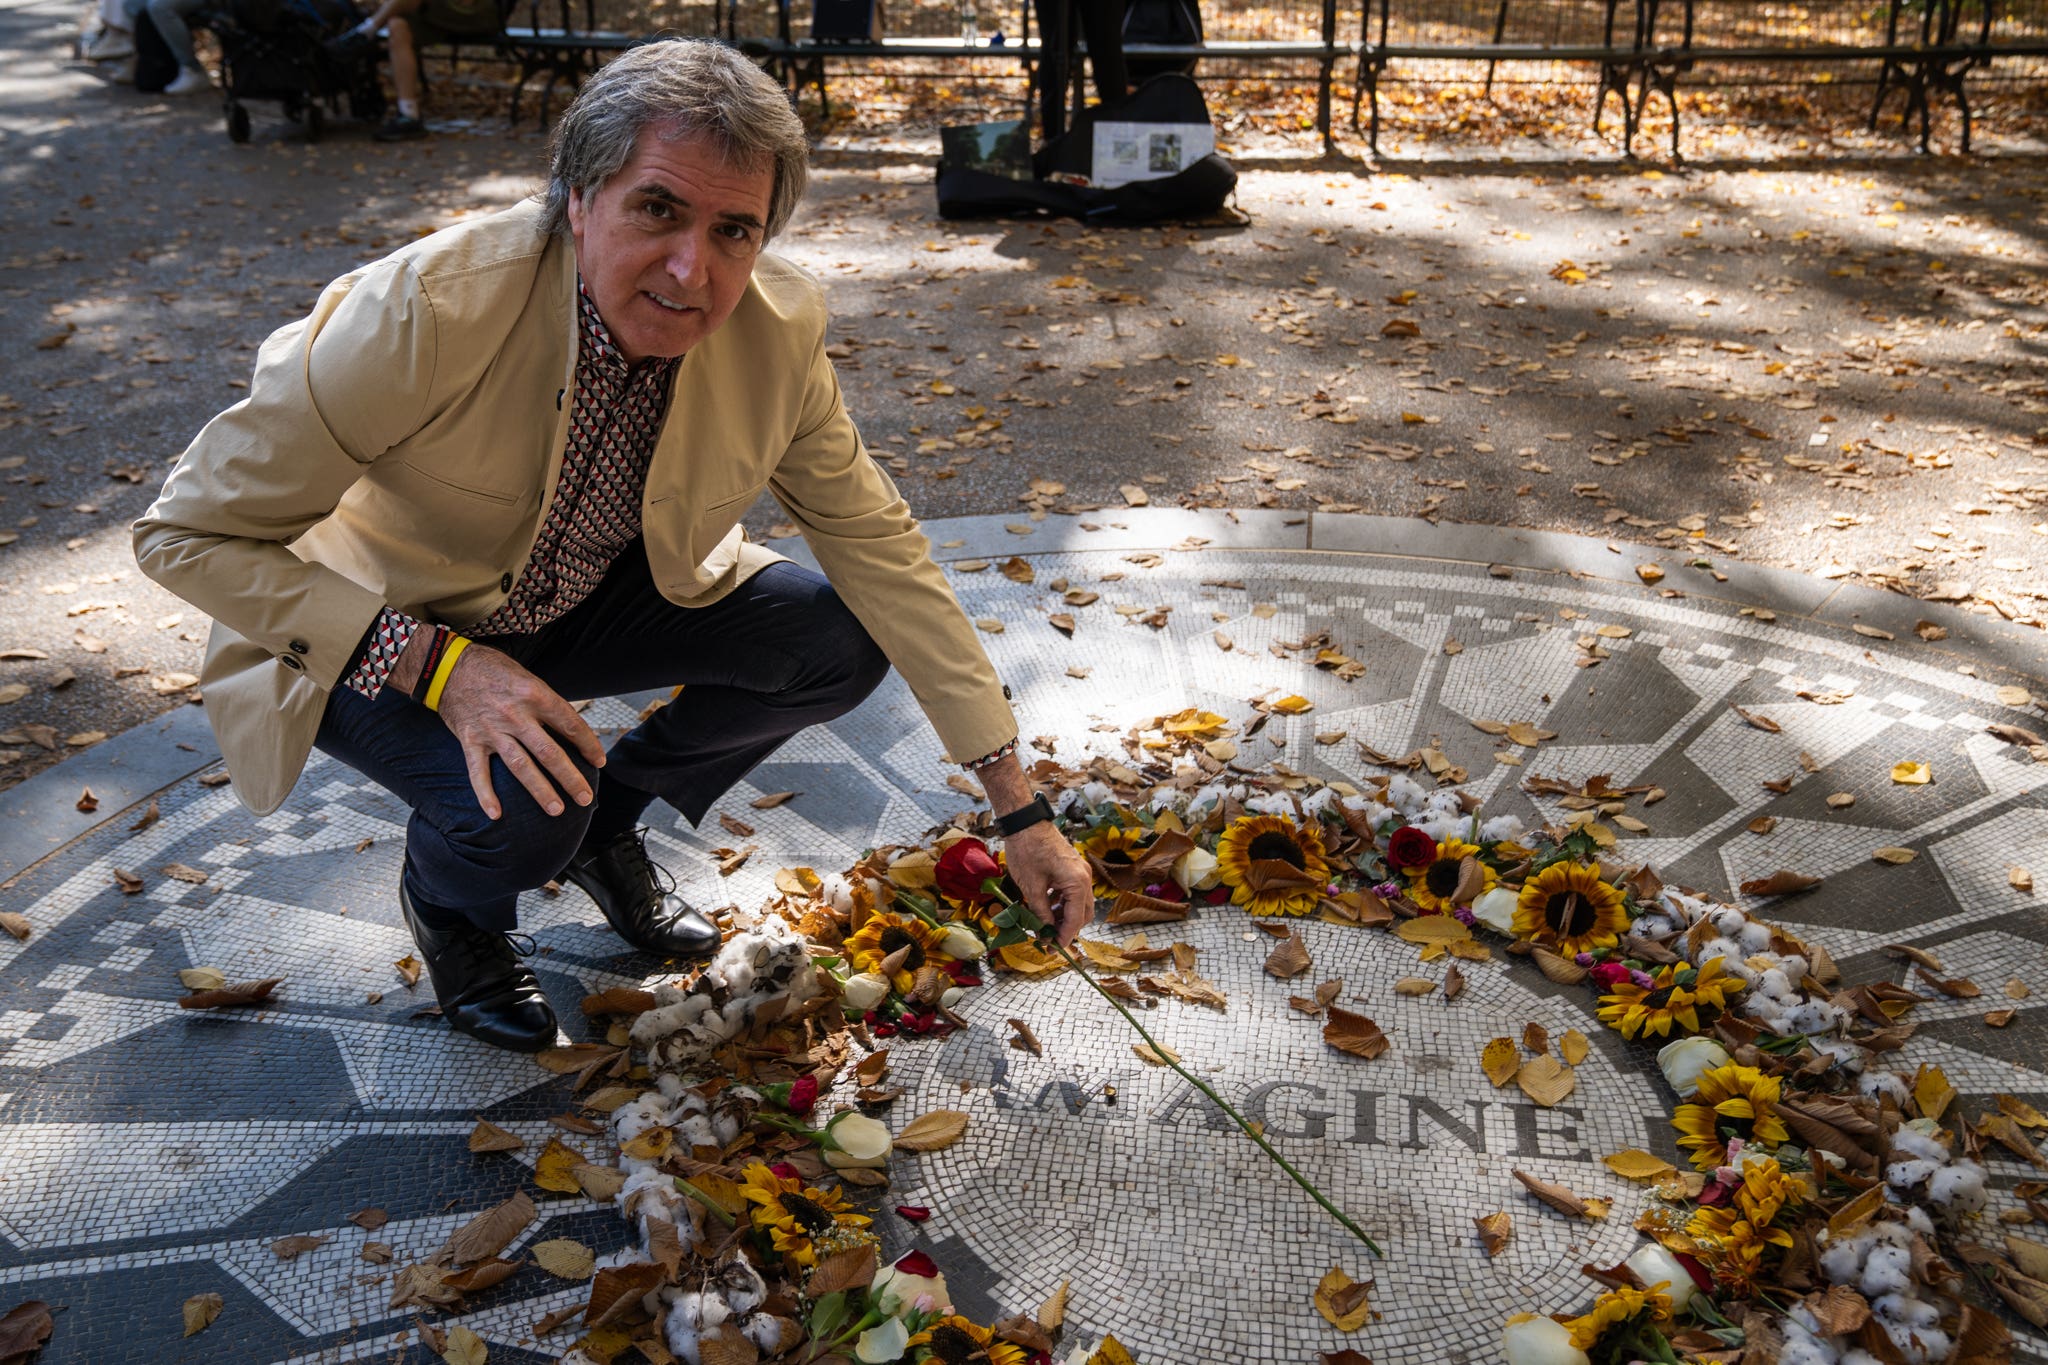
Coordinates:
316 120
238 123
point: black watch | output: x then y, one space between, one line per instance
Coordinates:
1024 817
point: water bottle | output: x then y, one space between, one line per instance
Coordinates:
970 31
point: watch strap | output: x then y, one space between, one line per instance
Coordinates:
1024 817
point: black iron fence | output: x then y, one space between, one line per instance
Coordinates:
1911 54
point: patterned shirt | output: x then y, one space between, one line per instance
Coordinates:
613 428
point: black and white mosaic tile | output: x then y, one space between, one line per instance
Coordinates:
155 1154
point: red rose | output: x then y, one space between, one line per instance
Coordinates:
920 1265
786 1171
1410 847
1608 975
964 868
803 1095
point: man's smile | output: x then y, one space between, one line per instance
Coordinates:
665 303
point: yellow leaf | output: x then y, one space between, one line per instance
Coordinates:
1053 1312
1545 1080
1111 1352
1412 418
1152 1056
1414 985
565 1259
1432 929
1632 1163
554 1168
1500 1060
722 1192
465 1347
652 1145
1897 857
1910 774
1573 1047
1342 1300
200 1311
1293 706
932 1132
1932 1092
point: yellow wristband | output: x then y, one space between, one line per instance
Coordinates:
447 666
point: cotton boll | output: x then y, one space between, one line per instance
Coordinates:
1889 1270
1377 815
765 1331
1860 1357
1442 827
631 1120
1906 1311
1917 1144
1812 1016
1272 803
739 1285
1754 938
1727 920
1502 827
1654 926
1731 956
1319 804
1443 803
1959 1187
1842 1262
1795 967
837 892
1807 1351
1884 1083
1906 1176
1774 984
1406 795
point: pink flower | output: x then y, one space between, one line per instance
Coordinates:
1608 975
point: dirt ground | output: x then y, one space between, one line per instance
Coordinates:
1805 346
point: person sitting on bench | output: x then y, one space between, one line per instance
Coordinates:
415 24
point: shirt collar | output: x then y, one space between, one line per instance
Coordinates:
602 353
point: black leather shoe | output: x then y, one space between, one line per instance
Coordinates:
639 899
484 988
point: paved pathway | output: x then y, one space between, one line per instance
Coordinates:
155 1154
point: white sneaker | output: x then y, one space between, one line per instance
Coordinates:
110 45
190 82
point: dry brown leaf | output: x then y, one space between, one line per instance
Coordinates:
489 1137
200 1311
408 970
1761 722
1053 1312
229 997
1414 985
853 1268
1536 1038
1161 1055
565 1259
1557 1196
1632 1163
465 1347
1500 1060
932 1132
1288 959
1355 1034
555 1168
1783 882
291 1248
1494 1230
491 1231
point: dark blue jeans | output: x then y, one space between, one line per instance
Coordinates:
777 654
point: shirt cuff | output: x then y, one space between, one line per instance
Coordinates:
377 655
998 756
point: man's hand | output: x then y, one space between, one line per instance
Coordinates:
1055 879
493 706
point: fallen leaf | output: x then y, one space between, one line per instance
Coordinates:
1783 882
1573 1047
1414 985
1536 1038
489 1137
772 800
1160 1055
1494 1230
369 1220
1761 722
228 997
200 1311
1355 1034
1342 1300
1632 1163
465 1347
2019 879
565 1259
490 1231
1932 1092
1053 1312
291 1248
1897 857
201 978
1500 1060
408 970
1910 774
853 1268
1288 959
932 1132
1545 1080
1556 1196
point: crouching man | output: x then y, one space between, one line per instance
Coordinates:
503 468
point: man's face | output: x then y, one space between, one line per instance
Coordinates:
667 245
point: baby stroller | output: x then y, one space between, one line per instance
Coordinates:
299 52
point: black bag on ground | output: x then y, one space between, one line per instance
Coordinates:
1198 190
1178 22
155 65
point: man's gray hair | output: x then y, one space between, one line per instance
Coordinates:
683 88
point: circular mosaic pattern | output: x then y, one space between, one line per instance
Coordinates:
155 1155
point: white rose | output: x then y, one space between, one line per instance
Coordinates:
1686 1060
952 997
1530 1339
962 944
863 991
896 1290
1496 910
860 1137
1653 1265
1195 870
887 1341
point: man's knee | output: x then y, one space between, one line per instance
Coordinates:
857 664
524 846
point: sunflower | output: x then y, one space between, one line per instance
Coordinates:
794 1214
1112 845
1431 886
885 933
956 1341
1255 839
1568 907
1731 1101
1616 1307
1732 1238
1651 1009
1711 986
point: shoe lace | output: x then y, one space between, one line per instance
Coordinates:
522 944
633 854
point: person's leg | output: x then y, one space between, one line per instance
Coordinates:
1102 25
405 64
1055 58
169 17
778 654
460 865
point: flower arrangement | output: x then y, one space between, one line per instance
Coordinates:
1822 1208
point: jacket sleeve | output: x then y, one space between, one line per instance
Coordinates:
871 549
329 396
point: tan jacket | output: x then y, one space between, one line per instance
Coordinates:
401 445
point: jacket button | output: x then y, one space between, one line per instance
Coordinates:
505 583
300 647
289 662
